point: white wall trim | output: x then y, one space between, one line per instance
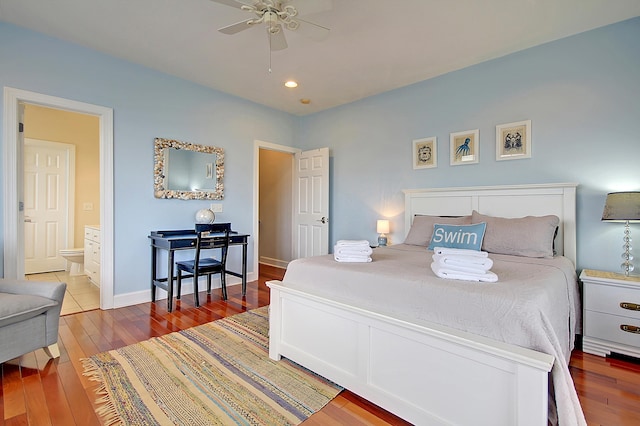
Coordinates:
14 259
143 296
257 146
270 261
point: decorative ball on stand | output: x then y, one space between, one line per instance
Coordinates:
205 216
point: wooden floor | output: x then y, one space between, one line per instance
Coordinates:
37 391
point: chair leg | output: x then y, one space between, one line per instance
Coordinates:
53 351
195 289
208 283
179 286
223 283
170 299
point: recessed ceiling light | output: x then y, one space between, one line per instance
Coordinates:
291 84
305 101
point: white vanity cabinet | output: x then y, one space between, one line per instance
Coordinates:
92 253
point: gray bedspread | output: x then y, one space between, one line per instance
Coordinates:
535 303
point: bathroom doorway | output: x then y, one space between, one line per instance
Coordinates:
61 193
14 100
80 206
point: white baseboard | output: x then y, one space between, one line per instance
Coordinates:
278 263
144 296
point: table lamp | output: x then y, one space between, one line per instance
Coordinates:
382 228
206 216
623 207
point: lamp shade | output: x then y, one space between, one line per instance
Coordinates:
382 227
622 206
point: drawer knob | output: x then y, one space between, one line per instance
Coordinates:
630 306
630 328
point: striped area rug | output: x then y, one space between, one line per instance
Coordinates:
213 374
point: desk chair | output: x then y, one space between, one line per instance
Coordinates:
207 265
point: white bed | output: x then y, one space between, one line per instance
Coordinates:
425 372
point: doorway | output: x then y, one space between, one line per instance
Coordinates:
308 204
273 204
275 209
12 183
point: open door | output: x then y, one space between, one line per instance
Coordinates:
311 202
49 170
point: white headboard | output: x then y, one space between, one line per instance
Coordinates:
504 201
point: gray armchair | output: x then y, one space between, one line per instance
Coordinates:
29 317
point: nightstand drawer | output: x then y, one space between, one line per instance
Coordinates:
608 299
607 327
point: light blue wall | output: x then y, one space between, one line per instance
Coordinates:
146 104
582 94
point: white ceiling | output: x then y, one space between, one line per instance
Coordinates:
374 45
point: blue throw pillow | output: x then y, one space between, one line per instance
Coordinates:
467 237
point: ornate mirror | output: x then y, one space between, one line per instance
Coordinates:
188 171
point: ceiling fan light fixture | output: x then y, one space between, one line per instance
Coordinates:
271 18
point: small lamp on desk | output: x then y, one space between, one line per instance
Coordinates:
382 228
205 216
623 207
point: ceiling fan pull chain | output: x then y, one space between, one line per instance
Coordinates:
269 31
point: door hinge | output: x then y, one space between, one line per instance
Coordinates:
21 127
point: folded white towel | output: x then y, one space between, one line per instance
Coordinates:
352 251
464 252
463 262
457 275
352 259
469 269
352 243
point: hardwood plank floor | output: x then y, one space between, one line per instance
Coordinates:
37 391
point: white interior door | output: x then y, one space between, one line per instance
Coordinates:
48 172
311 217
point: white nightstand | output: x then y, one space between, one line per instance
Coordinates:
611 313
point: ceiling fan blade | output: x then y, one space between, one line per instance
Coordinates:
234 3
277 41
313 31
308 7
237 27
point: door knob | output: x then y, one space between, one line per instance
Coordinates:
323 220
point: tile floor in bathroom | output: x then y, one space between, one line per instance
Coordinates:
82 294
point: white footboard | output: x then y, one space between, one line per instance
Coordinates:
427 375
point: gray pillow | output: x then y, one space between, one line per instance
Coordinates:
422 227
530 236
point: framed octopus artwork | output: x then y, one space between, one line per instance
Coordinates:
425 153
464 147
513 140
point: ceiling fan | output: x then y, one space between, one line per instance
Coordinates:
279 14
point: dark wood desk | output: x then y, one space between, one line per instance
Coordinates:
186 240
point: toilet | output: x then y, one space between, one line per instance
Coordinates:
74 257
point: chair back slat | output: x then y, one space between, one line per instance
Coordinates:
206 241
